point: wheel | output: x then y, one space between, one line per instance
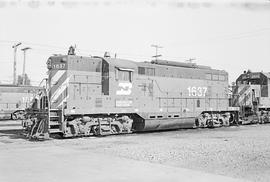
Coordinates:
14 116
21 115
210 123
197 122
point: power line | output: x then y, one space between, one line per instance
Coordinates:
65 48
254 33
51 49
35 81
82 51
5 61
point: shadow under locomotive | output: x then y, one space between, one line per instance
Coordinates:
12 133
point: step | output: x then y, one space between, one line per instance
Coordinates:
54 123
55 110
55 131
104 133
54 116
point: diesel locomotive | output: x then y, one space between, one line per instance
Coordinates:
102 95
251 94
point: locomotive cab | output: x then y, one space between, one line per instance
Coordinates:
251 94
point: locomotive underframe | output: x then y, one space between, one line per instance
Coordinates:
213 119
261 115
41 124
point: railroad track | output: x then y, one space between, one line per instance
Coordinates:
10 124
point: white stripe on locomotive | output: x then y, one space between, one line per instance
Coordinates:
57 76
64 100
60 90
55 86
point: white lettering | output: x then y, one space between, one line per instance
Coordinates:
123 103
197 91
125 88
58 66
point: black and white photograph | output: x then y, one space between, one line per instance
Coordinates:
135 90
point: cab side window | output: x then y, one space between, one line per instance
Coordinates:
123 75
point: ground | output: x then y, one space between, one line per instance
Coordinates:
238 153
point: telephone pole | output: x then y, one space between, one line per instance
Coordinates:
15 46
24 57
156 47
190 60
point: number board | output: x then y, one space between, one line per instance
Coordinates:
59 66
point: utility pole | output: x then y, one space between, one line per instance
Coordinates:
24 56
190 60
14 63
156 47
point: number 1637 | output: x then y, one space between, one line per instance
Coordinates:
197 91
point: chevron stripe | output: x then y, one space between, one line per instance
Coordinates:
61 103
55 78
59 90
58 83
52 73
61 99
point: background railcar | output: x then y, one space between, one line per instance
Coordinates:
103 95
14 99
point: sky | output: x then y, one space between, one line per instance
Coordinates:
226 35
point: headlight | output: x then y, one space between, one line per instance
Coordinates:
64 59
49 64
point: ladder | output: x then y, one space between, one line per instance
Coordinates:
55 118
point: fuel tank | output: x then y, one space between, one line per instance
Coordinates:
163 124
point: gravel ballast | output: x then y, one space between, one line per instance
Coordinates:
240 151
